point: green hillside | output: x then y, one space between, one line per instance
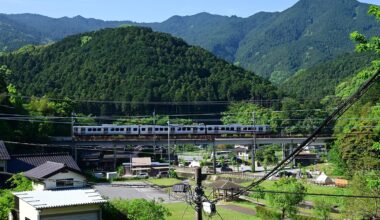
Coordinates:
274 45
316 82
307 33
131 64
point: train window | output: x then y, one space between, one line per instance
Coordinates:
112 129
223 128
179 129
142 129
161 129
201 129
227 128
89 129
209 128
82 129
156 129
135 129
105 129
166 129
75 129
232 129
245 128
99 129
121 129
260 128
189 129
195 129
116 129
171 129
149 129
128 129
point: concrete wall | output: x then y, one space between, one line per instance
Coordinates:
70 209
27 211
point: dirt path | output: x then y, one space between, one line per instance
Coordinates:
239 209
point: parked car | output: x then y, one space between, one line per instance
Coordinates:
226 169
143 175
285 174
162 174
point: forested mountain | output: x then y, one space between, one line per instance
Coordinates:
314 83
275 45
131 64
17 30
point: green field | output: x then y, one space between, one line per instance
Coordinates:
180 209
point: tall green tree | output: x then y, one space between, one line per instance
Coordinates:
287 203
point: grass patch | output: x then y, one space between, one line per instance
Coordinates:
178 209
164 181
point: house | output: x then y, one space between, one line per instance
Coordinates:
25 162
241 152
306 158
145 165
53 175
83 204
4 157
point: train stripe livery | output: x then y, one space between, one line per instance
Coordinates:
174 129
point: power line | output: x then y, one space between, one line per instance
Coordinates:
316 194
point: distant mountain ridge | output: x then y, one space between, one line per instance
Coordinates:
274 45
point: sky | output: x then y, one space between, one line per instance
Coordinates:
145 10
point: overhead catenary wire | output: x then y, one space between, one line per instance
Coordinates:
343 107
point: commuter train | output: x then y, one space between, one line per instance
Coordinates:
109 130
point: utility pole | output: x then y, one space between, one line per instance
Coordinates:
169 144
253 152
213 157
199 193
72 138
154 133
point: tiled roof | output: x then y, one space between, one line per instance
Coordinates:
224 184
3 152
61 198
22 163
45 170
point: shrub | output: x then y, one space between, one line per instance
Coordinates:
265 213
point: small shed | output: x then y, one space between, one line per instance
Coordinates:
83 204
224 189
323 179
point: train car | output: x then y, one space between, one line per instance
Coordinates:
109 129
188 129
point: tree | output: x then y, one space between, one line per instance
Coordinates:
258 193
287 203
18 183
322 208
135 209
366 184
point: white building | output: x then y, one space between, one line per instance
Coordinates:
79 204
242 152
52 175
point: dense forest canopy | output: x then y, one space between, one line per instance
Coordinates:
131 64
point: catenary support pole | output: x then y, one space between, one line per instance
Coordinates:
198 193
